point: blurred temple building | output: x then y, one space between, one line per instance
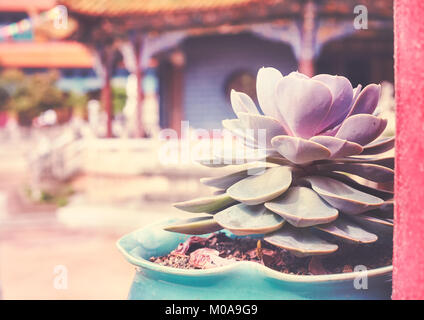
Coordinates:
201 49
42 46
198 50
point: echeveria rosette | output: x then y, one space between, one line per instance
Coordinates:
322 142
308 119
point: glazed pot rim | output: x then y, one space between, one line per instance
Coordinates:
265 271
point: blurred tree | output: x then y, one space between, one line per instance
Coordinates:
28 95
31 94
119 97
78 103
4 98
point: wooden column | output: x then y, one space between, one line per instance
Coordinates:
107 103
408 259
138 47
306 59
106 56
177 89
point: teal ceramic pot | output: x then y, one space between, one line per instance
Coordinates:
241 280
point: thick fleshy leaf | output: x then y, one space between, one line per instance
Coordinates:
387 207
266 83
278 159
373 222
237 155
241 102
385 161
387 188
356 92
361 128
379 146
338 147
304 103
300 241
342 92
224 182
264 127
211 162
298 74
236 127
242 219
302 207
205 204
367 171
367 100
299 150
358 184
261 188
333 131
343 197
219 192
197 225
348 230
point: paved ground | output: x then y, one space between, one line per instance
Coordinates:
88 258
69 254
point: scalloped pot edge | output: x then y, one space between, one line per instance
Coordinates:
265 271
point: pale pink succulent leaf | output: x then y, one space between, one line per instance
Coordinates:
302 207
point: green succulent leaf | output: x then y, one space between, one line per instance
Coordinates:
379 146
387 207
342 196
226 181
368 171
271 126
302 207
385 161
260 188
358 184
237 155
235 126
299 150
348 230
301 242
339 148
211 162
206 204
197 225
372 221
242 219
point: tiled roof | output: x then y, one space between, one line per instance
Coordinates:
158 7
45 55
25 5
153 7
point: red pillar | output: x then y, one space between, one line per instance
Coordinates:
177 88
106 57
107 101
408 259
137 44
306 59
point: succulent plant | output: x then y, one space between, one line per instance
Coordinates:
326 172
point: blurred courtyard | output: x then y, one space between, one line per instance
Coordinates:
89 98
33 240
36 237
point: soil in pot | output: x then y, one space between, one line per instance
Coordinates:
219 249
